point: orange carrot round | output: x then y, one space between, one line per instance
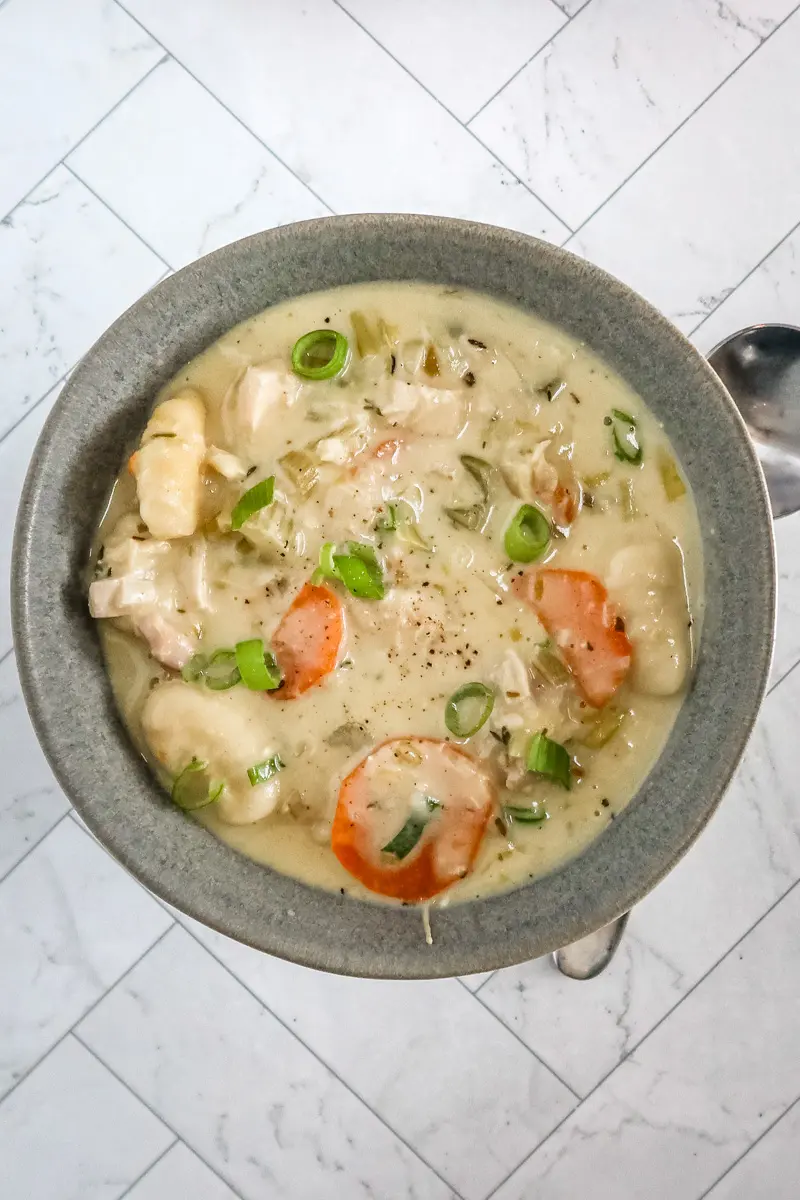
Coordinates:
588 632
449 842
307 641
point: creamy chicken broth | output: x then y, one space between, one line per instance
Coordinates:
417 628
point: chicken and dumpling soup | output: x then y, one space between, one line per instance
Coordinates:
399 592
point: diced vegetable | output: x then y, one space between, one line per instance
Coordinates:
528 535
264 771
624 436
256 498
468 709
193 789
549 758
573 606
430 364
549 666
480 470
308 640
258 667
627 500
320 354
302 469
472 517
674 487
600 732
218 671
534 815
367 339
444 850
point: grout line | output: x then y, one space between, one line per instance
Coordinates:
567 21
114 213
481 986
4 656
71 1031
147 1170
744 279
649 1033
84 136
7 433
228 110
578 229
320 1060
147 1105
450 113
763 1134
31 849
531 1051
785 675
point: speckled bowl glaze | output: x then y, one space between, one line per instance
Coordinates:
104 405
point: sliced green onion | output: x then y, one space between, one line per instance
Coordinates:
674 487
528 535
195 669
222 671
468 709
473 517
258 667
549 758
526 816
320 354
607 725
360 572
547 664
404 842
253 501
480 470
624 436
387 522
264 771
193 789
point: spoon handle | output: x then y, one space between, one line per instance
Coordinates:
591 955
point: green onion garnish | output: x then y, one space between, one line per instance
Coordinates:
257 666
480 470
320 354
387 522
261 772
253 501
624 436
528 535
472 517
193 789
527 816
219 672
468 709
546 757
357 567
404 842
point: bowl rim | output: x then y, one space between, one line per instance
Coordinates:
481 918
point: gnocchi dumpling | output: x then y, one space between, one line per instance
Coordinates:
167 466
647 581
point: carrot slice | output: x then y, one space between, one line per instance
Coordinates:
307 641
387 449
573 607
376 798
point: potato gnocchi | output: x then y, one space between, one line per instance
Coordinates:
400 591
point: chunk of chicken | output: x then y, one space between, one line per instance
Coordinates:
167 466
228 465
647 582
227 730
435 412
257 399
155 588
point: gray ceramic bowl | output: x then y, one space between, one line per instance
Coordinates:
104 406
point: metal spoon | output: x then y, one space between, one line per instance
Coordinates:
760 367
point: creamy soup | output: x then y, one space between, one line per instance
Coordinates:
399 592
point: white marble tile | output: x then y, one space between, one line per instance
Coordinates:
771 293
379 143
695 219
461 51
59 75
696 1094
473 982
201 179
15 454
472 1132
70 1131
770 1169
180 1175
240 1090
69 268
71 922
571 7
31 801
559 123
682 928
787 633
